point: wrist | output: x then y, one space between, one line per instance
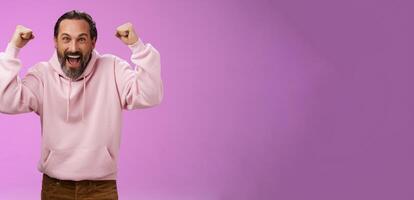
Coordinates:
12 50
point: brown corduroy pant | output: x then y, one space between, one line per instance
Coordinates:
55 189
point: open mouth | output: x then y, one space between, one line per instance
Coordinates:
73 60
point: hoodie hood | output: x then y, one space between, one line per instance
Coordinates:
54 61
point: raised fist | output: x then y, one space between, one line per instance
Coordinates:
126 33
21 36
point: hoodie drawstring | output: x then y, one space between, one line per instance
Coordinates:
68 100
83 99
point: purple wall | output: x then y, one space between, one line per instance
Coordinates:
264 100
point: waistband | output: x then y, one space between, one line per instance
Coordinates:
48 179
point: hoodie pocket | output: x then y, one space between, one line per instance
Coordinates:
80 164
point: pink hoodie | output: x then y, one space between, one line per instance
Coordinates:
81 119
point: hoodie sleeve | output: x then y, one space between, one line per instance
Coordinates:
17 95
142 86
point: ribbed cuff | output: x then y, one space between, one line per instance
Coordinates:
12 51
137 46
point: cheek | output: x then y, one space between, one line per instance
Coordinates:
61 48
85 49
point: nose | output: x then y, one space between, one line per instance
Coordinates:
73 47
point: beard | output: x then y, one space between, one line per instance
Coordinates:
73 73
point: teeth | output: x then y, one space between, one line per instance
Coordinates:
70 56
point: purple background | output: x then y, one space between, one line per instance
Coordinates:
264 100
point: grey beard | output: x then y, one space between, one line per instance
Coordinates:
74 73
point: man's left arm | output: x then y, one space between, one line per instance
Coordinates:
140 87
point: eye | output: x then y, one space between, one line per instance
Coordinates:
66 39
82 40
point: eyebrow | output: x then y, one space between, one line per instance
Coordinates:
83 34
80 35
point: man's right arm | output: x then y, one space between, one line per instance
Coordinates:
18 95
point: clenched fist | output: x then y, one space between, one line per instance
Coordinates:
126 33
21 36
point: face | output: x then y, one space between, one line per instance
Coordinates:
74 46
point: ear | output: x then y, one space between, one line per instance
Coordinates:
55 41
93 43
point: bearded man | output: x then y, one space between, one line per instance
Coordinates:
79 96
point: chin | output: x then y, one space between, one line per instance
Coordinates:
72 67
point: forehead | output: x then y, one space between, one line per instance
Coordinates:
73 27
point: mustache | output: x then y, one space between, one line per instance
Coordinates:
76 53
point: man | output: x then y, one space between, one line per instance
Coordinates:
79 96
